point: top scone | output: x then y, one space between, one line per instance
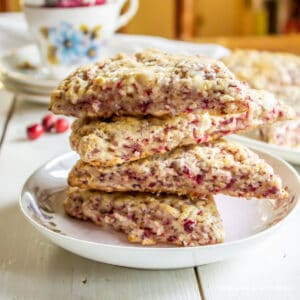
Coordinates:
150 83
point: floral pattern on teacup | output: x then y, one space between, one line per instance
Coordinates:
71 46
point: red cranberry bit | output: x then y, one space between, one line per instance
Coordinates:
187 171
273 190
202 139
188 225
161 149
199 178
119 84
136 148
144 107
35 131
231 183
61 125
228 121
48 122
147 232
145 141
188 110
171 238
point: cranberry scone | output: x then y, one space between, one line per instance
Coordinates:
201 170
280 73
283 134
150 83
149 219
263 69
126 138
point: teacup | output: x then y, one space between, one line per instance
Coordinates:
69 37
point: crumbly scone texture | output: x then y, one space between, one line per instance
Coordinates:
125 139
263 69
149 219
279 73
201 170
282 133
150 83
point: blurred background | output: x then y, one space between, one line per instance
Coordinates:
187 19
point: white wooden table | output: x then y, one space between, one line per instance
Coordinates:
31 267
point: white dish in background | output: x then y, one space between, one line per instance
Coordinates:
247 222
289 154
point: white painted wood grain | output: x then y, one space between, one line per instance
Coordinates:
33 268
6 100
270 272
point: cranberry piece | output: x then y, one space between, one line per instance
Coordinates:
144 107
171 238
35 131
188 225
252 188
231 183
187 171
188 110
147 232
61 125
48 122
202 140
199 178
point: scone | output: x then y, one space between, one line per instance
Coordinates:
150 219
201 170
279 73
150 83
282 133
265 70
125 139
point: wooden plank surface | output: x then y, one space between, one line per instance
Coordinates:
33 268
270 272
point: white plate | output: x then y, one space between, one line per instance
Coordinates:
289 154
39 77
247 222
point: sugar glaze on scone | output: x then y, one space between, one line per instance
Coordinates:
149 219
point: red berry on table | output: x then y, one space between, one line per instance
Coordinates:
48 122
35 131
61 125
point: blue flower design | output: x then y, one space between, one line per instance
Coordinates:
68 43
92 51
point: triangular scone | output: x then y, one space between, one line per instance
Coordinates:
263 69
217 167
126 138
150 83
149 219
